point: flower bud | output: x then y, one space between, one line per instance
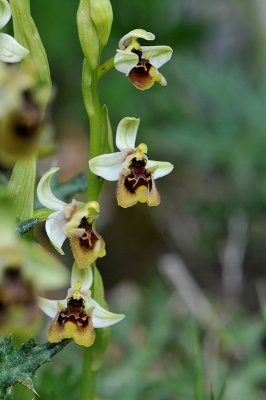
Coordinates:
88 35
102 16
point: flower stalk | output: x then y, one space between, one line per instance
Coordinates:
105 67
92 104
95 129
94 24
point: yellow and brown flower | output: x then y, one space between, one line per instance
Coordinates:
75 221
141 63
76 316
131 167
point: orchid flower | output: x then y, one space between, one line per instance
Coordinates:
141 63
74 220
10 50
78 314
131 167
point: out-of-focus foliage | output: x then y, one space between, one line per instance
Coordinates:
210 122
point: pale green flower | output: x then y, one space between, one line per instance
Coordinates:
10 50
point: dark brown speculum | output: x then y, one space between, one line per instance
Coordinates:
139 75
89 238
139 176
75 313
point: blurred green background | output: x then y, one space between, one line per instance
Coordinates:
197 321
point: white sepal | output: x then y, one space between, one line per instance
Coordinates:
44 193
126 133
124 61
108 166
10 50
54 227
5 13
49 307
101 317
157 55
84 275
136 33
161 168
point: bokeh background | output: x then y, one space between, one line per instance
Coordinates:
189 274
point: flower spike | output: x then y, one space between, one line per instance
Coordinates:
78 314
10 50
74 220
131 167
141 63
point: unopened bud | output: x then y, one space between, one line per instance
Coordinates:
102 16
88 35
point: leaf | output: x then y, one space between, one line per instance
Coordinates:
21 186
222 391
18 365
212 397
26 226
198 365
107 135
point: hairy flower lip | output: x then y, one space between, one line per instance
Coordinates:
78 314
118 167
71 221
141 63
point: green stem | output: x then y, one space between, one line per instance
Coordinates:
95 138
88 378
105 67
93 107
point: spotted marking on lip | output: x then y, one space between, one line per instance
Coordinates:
89 238
75 313
139 176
